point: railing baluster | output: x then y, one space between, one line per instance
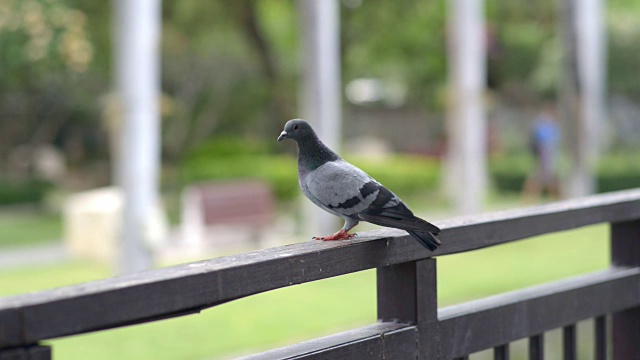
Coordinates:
600 334
569 342
407 292
501 352
625 251
536 347
32 352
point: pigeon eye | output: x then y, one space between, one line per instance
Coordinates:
296 127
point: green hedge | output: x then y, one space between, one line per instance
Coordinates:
508 173
405 175
32 191
234 159
618 171
613 172
277 170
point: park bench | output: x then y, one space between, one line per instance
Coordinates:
242 204
410 326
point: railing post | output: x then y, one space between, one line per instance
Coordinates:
407 292
625 251
32 352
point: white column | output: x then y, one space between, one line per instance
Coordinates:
582 91
321 88
592 66
591 57
321 99
137 73
467 129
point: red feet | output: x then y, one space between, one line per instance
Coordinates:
340 235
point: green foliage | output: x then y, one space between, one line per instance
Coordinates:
413 54
618 172
41 36
613 172
623 48
49 87
228 148
240 158
405 175
23 192
509 173
231 68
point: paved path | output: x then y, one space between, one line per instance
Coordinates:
33 255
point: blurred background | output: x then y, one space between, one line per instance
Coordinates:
142 133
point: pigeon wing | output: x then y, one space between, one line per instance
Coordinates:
388 210
341 188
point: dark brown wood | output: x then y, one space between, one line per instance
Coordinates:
569 345
34 352
397 293
536 347
501 352
40 352
428 323
600 335
483 230
490 322
10 326
625 334
408 293
625 243
625 251
379 341
189 288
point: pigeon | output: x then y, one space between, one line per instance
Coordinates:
344 190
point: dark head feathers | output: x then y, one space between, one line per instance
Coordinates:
312 153
297 129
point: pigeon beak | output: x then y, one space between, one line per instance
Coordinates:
283 135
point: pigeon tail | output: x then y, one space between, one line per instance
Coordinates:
425 239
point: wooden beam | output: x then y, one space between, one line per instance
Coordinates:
536 347
31 352
188 288
408 293
379 341
497 320
600 347
625 251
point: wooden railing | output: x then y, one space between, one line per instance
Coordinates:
410 324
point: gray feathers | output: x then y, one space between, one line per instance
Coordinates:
340 187
348 192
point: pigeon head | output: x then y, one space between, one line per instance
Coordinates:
312 153
297 129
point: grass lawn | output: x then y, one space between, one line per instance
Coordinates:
28 227
307 311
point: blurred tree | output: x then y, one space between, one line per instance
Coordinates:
374 45
46 83
231 67
229 78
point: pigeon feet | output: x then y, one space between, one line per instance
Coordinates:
340 235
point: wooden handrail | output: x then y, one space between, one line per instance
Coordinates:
188 288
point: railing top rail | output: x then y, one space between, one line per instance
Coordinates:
188 288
